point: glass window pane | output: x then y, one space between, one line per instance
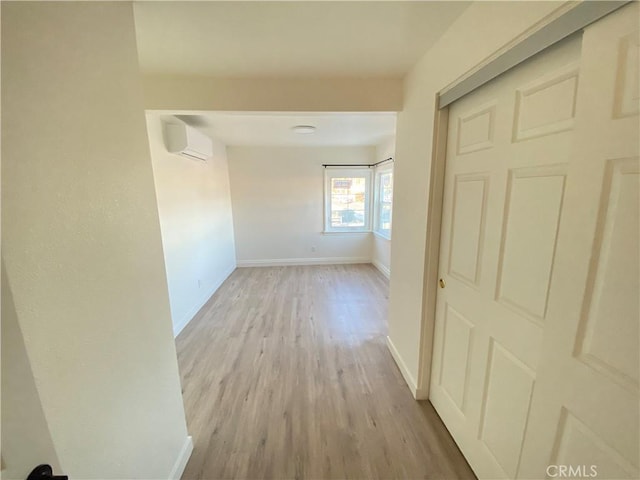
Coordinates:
348 202
386 187
385 217
384 202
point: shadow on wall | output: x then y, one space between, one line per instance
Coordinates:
26 439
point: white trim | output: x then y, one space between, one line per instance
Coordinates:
354 172
382 235
184 321
418 394
377 204
183 458
432 248
384 270
346 232
283 262
421 394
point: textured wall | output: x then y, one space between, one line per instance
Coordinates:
81 241
194 204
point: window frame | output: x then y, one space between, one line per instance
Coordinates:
377 208
344 172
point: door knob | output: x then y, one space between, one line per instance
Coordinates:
442 283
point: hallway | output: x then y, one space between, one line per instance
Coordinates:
286 374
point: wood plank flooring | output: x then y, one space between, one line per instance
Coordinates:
286 374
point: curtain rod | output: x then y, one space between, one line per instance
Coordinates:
325 165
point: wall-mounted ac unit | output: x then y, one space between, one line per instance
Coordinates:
184 140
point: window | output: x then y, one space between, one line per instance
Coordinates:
347 200
384 201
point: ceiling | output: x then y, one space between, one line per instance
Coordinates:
274 129
290 38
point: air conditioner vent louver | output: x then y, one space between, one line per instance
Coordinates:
187 141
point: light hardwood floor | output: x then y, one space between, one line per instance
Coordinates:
286 374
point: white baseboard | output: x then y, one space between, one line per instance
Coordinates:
383 268
421 394
183 458
283 262
179 326
411 383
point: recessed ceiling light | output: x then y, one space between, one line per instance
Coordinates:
304 129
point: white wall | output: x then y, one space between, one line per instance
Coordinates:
82 247
381 247
26 439
277 196
194 205
481 29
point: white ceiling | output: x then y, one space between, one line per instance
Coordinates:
292 38
274 129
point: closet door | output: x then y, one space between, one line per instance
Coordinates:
536 348
509 146
585 405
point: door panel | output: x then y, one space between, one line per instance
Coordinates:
536 336
532 212
577 442
608 330
504 417
547 105
475 129
585 406
467 227
508 146
458 334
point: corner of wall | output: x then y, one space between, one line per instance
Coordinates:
384 270
418 394
190 315
182 460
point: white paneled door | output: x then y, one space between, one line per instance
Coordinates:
535 367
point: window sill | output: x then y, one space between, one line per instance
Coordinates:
382 235
357 232
346 232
